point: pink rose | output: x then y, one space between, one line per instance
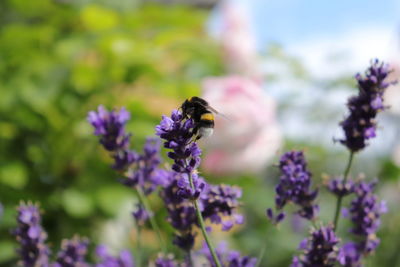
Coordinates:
238 42
250 137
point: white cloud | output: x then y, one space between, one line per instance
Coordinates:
331 56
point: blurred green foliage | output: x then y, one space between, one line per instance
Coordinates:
60 60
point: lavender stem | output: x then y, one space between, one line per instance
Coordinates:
340 197
261 255
153 223
203 227
138 245
189 258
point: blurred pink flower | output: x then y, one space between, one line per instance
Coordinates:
250 137
392 94
238 42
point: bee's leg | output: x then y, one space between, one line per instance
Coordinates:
195 135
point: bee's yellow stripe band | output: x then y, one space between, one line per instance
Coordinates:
207 117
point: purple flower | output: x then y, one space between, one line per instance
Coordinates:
145 172
72 253
220 204
228 258
181 213
176 194
141 215
349 255
319 250
165 261
178 134
365 212
123 159
141 170
275 218
186 191
294 185
340 188
360 125
216 203
110 126
29 233
124 259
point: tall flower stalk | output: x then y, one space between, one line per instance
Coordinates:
360 125
294 186
33 250
341 196
140 170
177 134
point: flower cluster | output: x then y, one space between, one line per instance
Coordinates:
145 172
217 203
360 125
141 170
178 134
31 236
294 186
320 249
340 187
106 260
35 253
141 215
220 204
72 253
228 258
181 214
365 211
165 261
110 127
349 255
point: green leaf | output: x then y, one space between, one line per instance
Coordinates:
77 204
14 175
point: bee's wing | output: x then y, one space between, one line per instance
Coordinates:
219 113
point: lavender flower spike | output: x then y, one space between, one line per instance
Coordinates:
72 253
365 212
349 255
220 205
294 185
340 187
110 127
185 153
141 215
360 125
177 134
145 172
319 250
216 203
165 261
124 259
29 233
228 258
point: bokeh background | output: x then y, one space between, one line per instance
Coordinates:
281 72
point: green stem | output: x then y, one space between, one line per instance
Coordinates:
138 245
189 258
153 223
261 255
203 226
340 198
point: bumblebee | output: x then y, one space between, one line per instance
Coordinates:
201 112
